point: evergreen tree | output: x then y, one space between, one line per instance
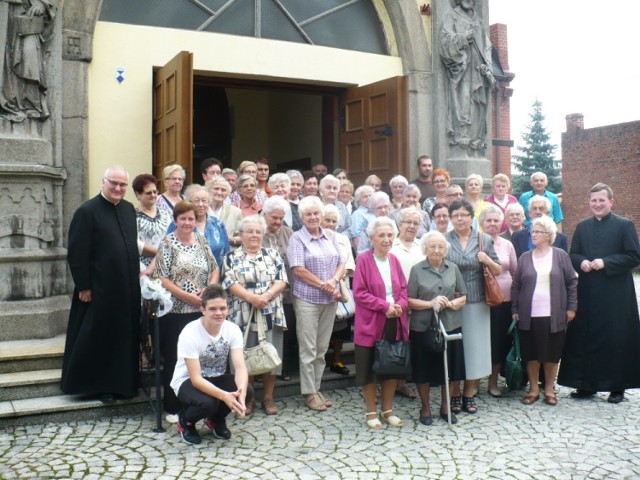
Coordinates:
537 155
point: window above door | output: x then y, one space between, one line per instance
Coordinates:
345 24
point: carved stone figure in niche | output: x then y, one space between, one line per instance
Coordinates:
466 53
26 27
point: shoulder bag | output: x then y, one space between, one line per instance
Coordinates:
392 359
433 338
346 303
514 372
263 358
492 291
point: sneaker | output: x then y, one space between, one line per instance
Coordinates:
218 428
171 418
188 432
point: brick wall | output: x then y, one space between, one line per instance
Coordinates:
609 154
501 109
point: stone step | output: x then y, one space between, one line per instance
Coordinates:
28 355
63 408
30 384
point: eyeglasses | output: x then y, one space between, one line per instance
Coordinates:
415 224
199 201
115 184
174 179
151 193
460 216
442 180
442 217
538 232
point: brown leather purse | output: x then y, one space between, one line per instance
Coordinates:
493 295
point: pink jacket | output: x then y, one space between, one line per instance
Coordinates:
370 295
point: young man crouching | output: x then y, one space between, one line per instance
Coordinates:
206 391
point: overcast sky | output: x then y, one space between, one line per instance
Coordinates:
576 56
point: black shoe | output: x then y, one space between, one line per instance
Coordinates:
445 417
426 420
188 431
579 393
616 397
339 368
218 428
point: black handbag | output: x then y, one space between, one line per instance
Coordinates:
433 338
392 358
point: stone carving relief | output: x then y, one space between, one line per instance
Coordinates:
26 29
25 221
465 51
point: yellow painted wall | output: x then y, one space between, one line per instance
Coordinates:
120 115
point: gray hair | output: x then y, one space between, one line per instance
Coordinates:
253 219
378 222
244 177
330 208
540 199
191 190
309 202
229 170
408 212
329 179
275 203
295 174
360 191
218 179
474 176
115 168
377 198
490 208
411 188
537 174
277 178
398 179
514 206
433 235
548 225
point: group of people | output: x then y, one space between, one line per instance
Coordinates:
248 249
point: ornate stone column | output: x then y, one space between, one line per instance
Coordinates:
32 255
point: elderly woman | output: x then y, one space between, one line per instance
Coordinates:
152 221
396 185
411 198
441 180
186 266
230 216
277 238
476 323
374 182
544 302
329 188
310 185
380 292
473 187
341 174
491 221
247 188
317 263
173 179
440 218
362 215
514 213
345 195
341 328
407 250
256 277
280 186
297 180
212 228
500 197
380 206
435 283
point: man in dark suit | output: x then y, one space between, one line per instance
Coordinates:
102 345
538 206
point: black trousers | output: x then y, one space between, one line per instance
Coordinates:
199 405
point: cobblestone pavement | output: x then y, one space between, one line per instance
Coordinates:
577 439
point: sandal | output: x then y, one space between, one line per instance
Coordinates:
314 402
373 423
285 377
391 419
456 404
406 392
340 368
531 398
269 406
250 408
469 405
551 400
327 402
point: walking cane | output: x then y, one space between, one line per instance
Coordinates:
447 338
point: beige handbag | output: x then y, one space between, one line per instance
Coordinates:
263 358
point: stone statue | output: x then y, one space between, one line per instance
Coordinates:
26 27
466 54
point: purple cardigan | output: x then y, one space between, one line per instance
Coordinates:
369 293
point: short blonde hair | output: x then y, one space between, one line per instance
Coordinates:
433 235
501 177
171 169
548 226
474 176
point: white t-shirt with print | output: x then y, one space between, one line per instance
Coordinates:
212 352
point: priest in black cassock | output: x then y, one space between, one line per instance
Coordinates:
602 349
102 345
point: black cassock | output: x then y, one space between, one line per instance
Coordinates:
602 349
102 345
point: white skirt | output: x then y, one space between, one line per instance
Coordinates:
476 340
